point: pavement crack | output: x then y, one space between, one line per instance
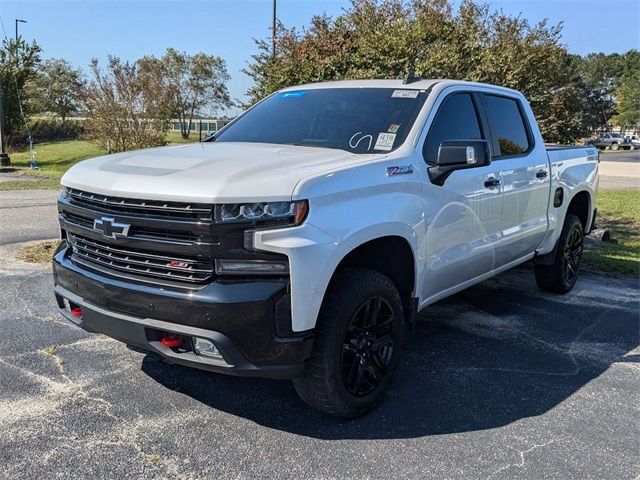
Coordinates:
522 454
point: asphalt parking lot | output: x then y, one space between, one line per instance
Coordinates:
501 381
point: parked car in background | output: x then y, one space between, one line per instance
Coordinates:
305 250
634 140
611 140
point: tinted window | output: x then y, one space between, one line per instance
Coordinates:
359 120
508 125
456 120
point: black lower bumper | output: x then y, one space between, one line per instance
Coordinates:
239 317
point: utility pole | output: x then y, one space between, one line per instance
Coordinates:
18 56
5 161
273 31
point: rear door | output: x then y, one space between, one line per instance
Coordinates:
525 174
463 216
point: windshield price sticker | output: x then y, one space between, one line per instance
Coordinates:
385 141
405 94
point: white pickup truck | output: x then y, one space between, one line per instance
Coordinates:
302 239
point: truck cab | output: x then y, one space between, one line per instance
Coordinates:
302 240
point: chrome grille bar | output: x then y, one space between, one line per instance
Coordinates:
176 268
114 205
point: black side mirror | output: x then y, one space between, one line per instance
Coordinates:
458 155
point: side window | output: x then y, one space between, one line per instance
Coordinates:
456 119
508 125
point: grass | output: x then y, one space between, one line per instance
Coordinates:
55 158
175 137
41 252
618 211
49 351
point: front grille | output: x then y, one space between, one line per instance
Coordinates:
171 244
151 233
139 262
136 207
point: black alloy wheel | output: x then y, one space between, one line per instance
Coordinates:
573 254
367 348
560 276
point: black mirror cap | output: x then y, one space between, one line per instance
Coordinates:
458 155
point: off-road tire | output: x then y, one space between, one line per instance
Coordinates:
555 278
323 385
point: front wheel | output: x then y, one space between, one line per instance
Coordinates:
561 275
615 146
357 345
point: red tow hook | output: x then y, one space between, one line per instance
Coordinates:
171 340
76 312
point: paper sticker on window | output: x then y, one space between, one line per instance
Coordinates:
405 94
385 141
393 128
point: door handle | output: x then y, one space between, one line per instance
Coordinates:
491 182
541 174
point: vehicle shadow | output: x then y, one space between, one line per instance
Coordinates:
496 353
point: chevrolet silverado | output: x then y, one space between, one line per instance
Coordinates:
301 240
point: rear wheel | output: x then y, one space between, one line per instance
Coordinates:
615 146
561 275
357 345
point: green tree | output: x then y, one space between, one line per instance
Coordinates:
384 38
599 73
628 101
627 92
192 83
125 108
57 88
18 64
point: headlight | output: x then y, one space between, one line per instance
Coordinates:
295 212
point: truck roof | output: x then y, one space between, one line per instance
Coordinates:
421 84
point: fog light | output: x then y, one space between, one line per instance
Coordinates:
204 347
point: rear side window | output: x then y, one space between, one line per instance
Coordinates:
508 125
456 119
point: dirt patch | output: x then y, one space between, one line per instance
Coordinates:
10 174
40 252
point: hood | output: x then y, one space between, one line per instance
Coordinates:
208 172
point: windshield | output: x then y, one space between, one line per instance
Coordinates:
358 120
615 135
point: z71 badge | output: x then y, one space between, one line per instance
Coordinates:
399 170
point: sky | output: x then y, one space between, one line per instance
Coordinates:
78 30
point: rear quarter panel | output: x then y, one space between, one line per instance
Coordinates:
574 170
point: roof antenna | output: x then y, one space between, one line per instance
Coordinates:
411 77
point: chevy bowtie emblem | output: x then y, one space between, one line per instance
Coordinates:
110 228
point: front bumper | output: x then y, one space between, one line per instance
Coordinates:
245 319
